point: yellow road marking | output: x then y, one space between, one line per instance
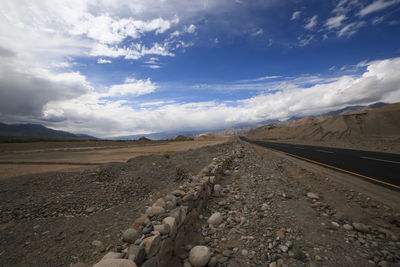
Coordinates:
329 166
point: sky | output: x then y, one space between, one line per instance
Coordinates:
113 68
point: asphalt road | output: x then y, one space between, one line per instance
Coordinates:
377 167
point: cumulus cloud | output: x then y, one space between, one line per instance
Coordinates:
132 87
380 81
312 22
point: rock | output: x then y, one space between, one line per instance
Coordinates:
137 254
227 253
283 248
162 228
348 227
264 206
151 245
212 262
147 229
245 252
160 203
312 195
171 222
335 224
273 264
165 253
115 263
215 219
217 190
130 235
113 255
388 234
199 256
141 221
89 210
154 210
298 254
280 234
361 227
99 245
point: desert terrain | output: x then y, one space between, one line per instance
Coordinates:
35 157
277 211
375 130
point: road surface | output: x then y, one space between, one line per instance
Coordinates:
381 168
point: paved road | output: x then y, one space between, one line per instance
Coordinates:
381 168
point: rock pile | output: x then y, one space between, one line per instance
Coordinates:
157 237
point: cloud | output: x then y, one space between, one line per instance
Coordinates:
312 22
296 15
350 29
132 87
103 61
264 78
377 6
257 32
335 22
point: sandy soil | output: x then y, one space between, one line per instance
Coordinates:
28 158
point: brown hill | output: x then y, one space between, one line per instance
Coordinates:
377 129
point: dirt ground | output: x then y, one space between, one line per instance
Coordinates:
28 158
51 219
269 219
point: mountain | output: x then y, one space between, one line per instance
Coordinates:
37 131
157 136
354 109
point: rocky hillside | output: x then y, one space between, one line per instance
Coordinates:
378 127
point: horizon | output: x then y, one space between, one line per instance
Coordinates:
106 69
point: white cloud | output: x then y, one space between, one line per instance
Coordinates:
295 15
257 32
350 29
190 29
335 22
103 61
377 6
264 78
312 22
132 87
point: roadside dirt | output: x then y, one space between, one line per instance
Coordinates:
51 219
270 221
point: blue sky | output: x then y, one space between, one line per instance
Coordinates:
108 69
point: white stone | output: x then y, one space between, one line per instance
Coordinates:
199 256
155 210
312 195
215 219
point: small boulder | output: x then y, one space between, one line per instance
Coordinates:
130 235
215 219
361 227
199 256
155 210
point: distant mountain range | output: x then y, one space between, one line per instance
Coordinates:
37 131
157 136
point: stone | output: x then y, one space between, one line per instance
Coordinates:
212 262
130 235
162 228
137 254
113 255
348 227
280 234
217 190
151 245
171 222
215 219
98 245
227 253
115 263
264 206
152 262
283 248
273 264
160 203
313 195
199 256
147 229
89 210
154 210
361 227
187 264
245 252
141 221
335 224
165 253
